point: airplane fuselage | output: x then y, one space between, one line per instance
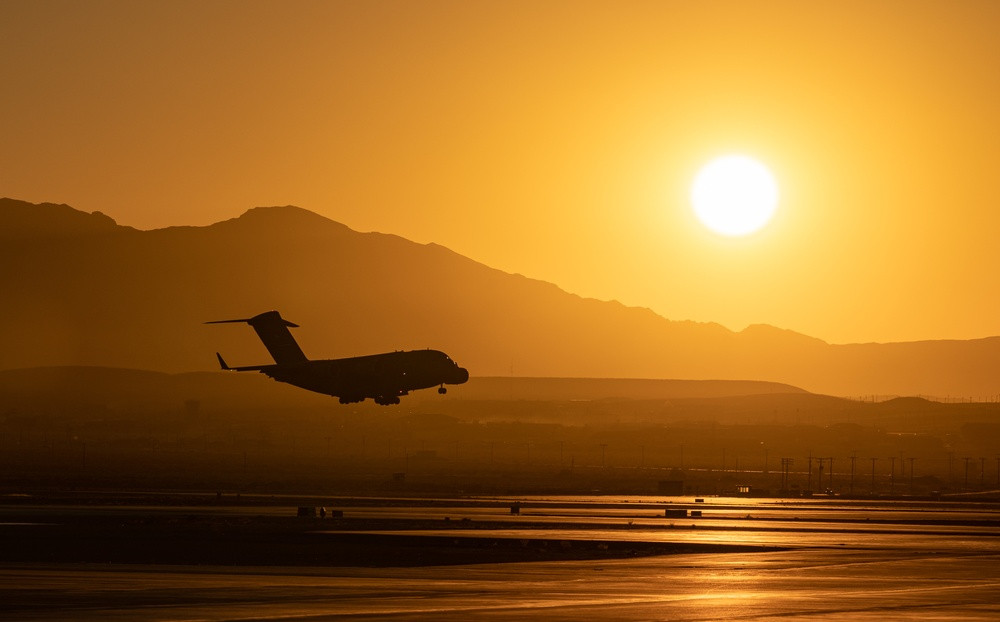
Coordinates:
382 377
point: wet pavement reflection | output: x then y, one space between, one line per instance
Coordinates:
835 563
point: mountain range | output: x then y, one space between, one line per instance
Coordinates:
79 289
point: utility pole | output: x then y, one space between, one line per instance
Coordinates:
809 480
911 476
892 475
785 464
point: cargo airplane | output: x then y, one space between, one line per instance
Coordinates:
383 377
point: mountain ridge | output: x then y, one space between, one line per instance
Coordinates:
128 297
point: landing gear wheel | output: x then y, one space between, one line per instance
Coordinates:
442 390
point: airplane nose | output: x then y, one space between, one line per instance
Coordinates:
461 376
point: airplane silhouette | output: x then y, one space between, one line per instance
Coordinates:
383 377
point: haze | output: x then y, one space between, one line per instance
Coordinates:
557 140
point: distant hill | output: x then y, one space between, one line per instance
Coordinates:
82 290
499 388
47 388
48 397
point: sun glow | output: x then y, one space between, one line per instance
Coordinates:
734 195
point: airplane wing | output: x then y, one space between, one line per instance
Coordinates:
225 367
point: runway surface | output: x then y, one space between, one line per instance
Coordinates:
924 561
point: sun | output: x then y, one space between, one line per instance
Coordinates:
734 195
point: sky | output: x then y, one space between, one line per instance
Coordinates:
554 139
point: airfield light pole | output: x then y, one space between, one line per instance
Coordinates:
966 486
911 475
831 473
809 478
892 475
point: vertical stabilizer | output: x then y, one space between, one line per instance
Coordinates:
273 331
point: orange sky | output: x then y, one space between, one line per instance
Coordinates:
554 139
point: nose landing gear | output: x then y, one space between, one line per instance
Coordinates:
442 390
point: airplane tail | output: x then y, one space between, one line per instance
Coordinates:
273 331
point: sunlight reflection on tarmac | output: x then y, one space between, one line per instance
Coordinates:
797 585
926 573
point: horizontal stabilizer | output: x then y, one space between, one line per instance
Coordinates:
228 321
251 320
222 362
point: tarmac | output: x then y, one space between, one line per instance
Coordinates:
559 559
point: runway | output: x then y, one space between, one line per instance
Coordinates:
946 568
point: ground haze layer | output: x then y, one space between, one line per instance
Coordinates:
86 428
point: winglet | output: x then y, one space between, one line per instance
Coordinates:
222 362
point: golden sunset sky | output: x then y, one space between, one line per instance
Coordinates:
554 139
